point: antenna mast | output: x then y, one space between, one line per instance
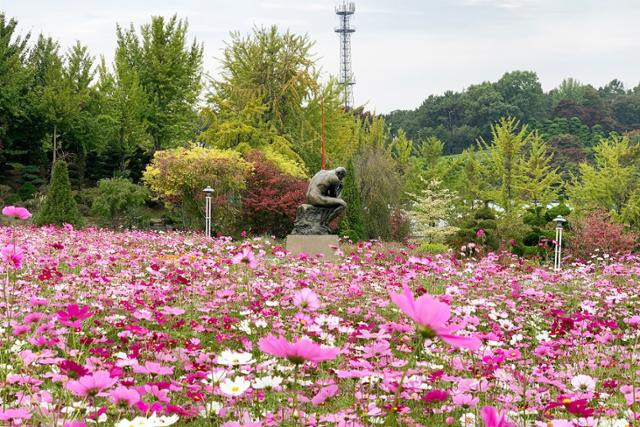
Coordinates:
345 11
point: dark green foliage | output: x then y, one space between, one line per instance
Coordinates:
459 118
118 201
352 222
560 209
482 218
59 207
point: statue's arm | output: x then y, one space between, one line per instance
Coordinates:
315 197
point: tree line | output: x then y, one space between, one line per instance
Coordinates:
573 108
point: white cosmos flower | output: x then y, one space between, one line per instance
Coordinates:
235 387
152 421
217 376
136 422
468 419
583 383
163 420
231 358
244 326
211 408
267 382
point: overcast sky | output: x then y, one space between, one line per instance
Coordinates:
403 50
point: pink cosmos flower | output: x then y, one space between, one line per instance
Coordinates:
492 418
324 394
16 212
12 254
296 352
480 233
306 299
73 315
245 257
633 320
431 316
91 384
465 400
152 368
123 395
14 415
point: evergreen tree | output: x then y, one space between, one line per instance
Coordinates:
59 206
352 223
169 72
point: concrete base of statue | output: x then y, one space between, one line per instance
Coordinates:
313 245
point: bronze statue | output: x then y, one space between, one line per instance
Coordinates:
323 203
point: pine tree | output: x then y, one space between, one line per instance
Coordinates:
59 206
352 222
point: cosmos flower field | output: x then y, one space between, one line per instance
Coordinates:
151 329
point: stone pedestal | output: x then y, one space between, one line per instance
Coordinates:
313 245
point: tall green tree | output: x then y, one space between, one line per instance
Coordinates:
269 97
537 180
14 80
612 183
352 224
505 152
124 111
170 74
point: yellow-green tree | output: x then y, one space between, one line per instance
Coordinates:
612 183
537 180
269 95
504 155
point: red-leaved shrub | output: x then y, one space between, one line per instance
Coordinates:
271 198
596 233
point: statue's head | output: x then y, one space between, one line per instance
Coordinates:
341 172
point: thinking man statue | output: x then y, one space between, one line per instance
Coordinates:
325 188
323 203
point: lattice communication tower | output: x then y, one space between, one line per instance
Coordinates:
345 11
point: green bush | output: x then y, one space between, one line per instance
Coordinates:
432 248
118 201
59 206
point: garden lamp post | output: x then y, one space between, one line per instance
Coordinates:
559 220
207 210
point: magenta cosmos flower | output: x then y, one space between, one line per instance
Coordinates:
492 418
12 254
15 212
91 384
431 317
298 351
73 315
